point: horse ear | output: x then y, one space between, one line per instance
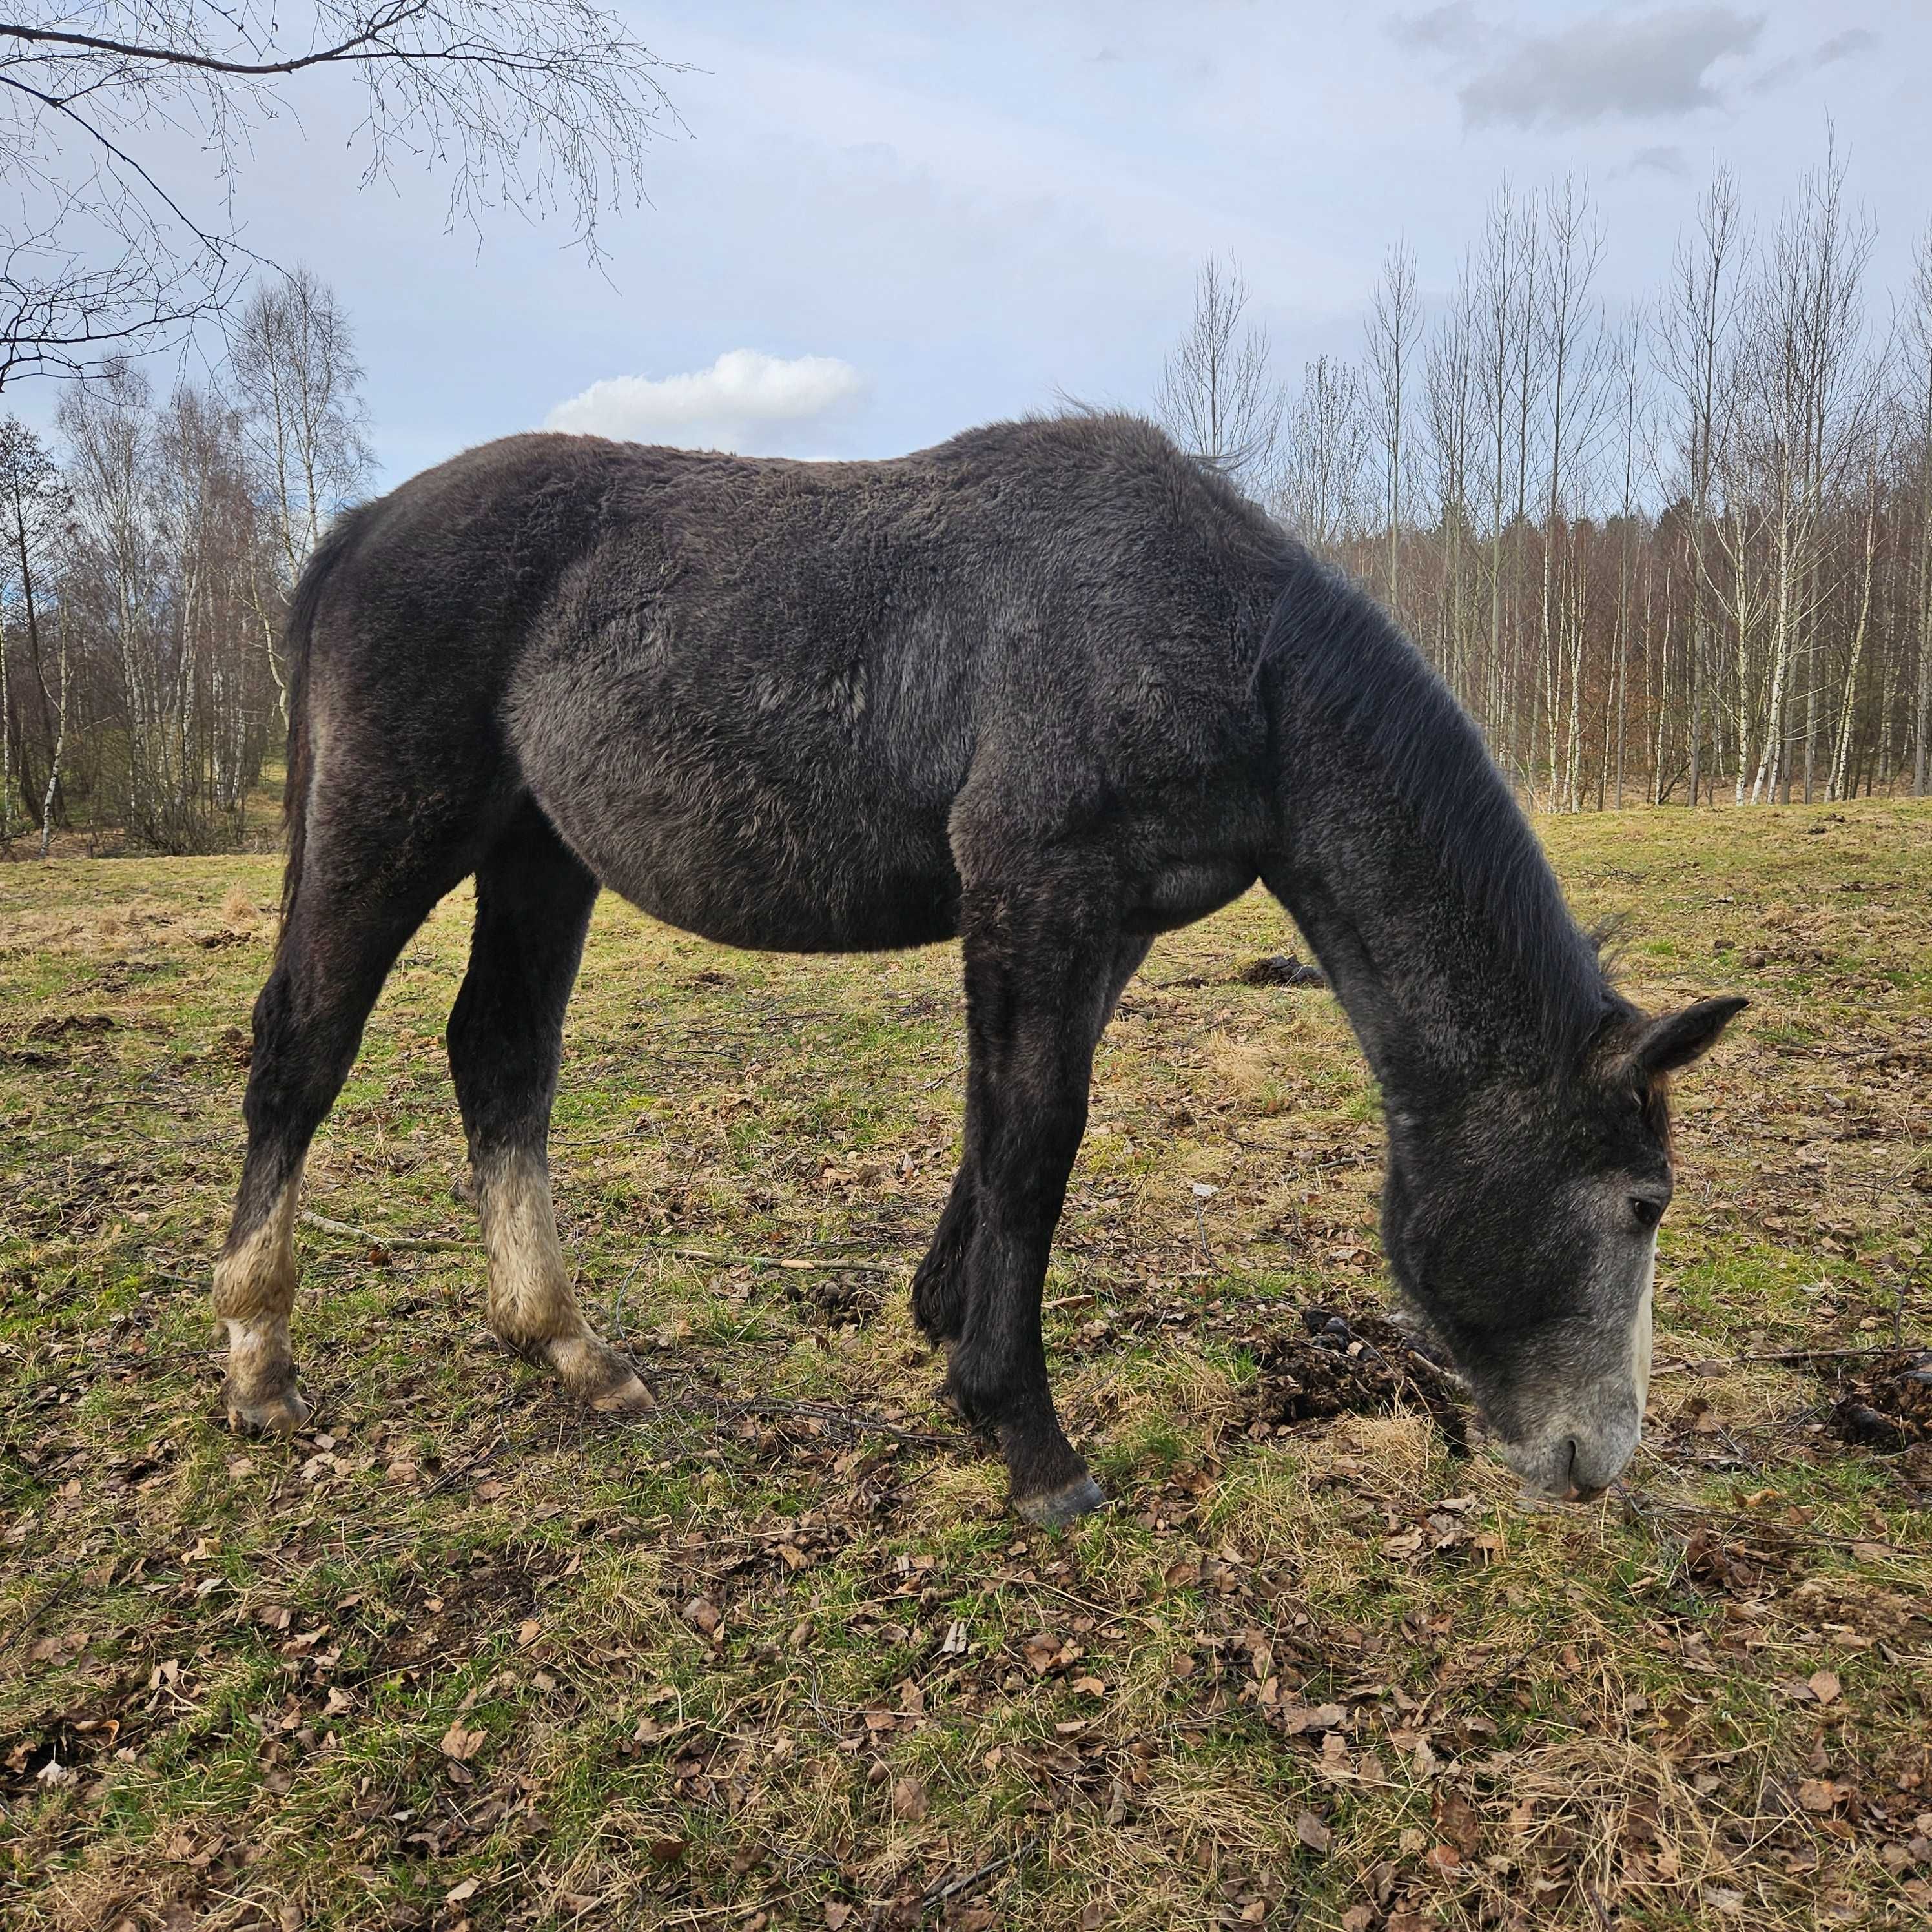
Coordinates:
1679 1039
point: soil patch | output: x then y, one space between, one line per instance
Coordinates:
1885 1402
1354 1363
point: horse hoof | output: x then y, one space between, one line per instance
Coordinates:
594 1372
1058 1507
631 1399
280 1414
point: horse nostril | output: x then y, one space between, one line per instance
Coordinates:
1648 1210
1571 1491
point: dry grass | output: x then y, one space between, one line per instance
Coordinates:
467 1656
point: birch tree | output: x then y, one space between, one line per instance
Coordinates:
292 355
1395 321
1217 396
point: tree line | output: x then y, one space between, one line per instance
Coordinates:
1680 553
145 558
148 559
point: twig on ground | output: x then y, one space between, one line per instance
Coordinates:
797 1262
951 1887
725 1911
835 1416
1707 1364
50 1602
351 1233
1099 1610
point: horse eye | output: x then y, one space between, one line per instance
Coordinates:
1648 1212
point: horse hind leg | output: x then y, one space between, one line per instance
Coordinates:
339 941
533 903
939 1282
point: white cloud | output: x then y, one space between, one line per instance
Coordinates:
746 401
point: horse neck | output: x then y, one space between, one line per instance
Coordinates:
1413 875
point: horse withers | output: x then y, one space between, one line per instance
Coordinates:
1052 687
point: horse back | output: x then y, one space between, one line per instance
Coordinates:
771 702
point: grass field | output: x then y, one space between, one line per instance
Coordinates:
464 1656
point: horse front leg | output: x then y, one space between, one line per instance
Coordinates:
1042 967
940 1284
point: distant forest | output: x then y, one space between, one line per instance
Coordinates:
146 561
1680 554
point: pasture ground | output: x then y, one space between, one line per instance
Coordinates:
463 1656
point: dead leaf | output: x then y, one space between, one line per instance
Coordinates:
668 1851
1819 1794
1824 1686
462 1744
909 1799
1457 1819
1313 1833
703 1615
456 1893
1296 1718
1041 1650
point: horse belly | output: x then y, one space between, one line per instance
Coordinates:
733 864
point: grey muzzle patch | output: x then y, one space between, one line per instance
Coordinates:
1587 1429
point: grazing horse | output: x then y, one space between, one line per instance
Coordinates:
1051 687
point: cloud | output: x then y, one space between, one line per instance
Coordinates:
1843 46
1664 160
1780 73
1451 29
1847 46
1609 64
746 401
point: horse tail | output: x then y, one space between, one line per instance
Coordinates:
298 646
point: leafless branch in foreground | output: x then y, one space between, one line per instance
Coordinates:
543 106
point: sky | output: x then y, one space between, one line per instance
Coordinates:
882 220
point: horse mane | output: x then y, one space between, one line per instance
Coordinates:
1344 662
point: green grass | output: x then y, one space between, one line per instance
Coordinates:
464 1654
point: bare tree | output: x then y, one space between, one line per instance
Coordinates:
1319 479
1508 382
1450 426
1810 394
1216 397
1395 321
1918 394
1572 347
31 499
292 359
1634 429
542 106
1695 315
